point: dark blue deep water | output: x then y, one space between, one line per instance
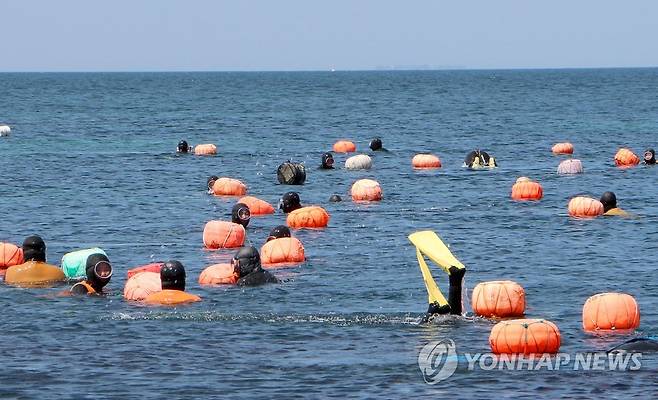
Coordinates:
90 163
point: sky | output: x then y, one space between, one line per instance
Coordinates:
255 35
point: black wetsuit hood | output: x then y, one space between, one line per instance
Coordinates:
290 202
247 264
609 201
278 232
327 161
34 249
335 198
182 147
211 181
172 275
652 156
97 282
376 144
240 214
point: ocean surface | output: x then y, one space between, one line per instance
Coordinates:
91 162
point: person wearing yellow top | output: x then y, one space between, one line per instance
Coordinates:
609 201
34 272
172 278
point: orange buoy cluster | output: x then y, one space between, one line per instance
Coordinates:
525 336
610 311
498 299
282 252
525 189
10 255
425 161
257 206
626 158
218 274
562 148
585 207
208 149
223 235
366 190
229 187
308 217
344 146
570 167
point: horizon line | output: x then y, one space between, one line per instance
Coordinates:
375 69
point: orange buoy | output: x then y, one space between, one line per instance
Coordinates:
571 166
219 274
228 187
257 206
141 285
308 217
610 311
498 299
425 161
223 235
525 189
626 158
205 149
153 267
281 252
366 190
10 255
344 146
525 336
562 148
585 207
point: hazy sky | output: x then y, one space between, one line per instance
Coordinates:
128 35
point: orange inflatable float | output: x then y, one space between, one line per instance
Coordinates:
366 190
498 299
344 146
219 274
626 158
526 189
562 148
257 206
10 255
610 311
281 252
141 285
205 149
223 235
308 217
425 161
169 297
228 187
525 336
153 267
585 207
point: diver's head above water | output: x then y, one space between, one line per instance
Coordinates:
172 275
375 144
34 249
98 271
240 214
246 261
327 161
182 147
609 201
478 159
290 202
649 156
279 232
211 181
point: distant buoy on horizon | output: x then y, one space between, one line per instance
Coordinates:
5 130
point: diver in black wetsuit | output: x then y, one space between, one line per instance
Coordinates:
649 157
210 182
478 159
327 161
182 147
246 263
290 202
240 214
454 305
278 232
98 271
376 145
637 345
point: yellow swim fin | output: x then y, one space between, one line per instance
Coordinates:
431 246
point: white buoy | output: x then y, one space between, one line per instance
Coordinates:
5 130
361 161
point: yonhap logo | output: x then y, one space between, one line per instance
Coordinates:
438 360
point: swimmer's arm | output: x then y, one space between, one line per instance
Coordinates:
79 289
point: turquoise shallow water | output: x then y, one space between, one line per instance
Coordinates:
90 163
